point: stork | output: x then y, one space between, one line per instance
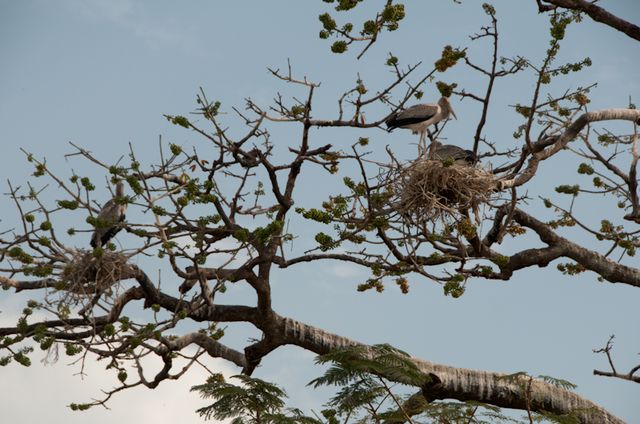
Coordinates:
457 154
418 117
109 218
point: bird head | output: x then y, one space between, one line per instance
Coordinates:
471 157
446 106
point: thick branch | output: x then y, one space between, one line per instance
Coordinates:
542 151
27 285
599 14
604 267
463 384
214 348
630 376
96 323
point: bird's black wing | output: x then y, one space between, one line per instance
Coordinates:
391 121
449 151
110 218
111 232
413 115
94 239
396 122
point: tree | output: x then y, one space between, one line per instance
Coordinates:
236 200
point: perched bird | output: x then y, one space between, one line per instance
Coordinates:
109 219
418 117
457 154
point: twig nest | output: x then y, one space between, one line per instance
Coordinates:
430 189
88 273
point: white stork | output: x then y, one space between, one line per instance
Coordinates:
418 117
109 219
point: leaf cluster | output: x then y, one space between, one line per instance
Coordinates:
387 19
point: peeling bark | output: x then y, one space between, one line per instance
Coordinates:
464 384
312 338
492 388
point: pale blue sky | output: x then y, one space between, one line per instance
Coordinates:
102 73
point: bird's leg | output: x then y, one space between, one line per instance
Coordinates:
421 145
432 149
432 145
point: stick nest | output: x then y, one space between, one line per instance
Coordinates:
88 274
427 190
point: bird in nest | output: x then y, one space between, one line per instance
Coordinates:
449 152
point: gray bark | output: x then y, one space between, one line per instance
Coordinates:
466 384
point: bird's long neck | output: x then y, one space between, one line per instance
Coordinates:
445 107
120 189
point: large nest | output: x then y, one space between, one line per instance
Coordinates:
88 273
427 190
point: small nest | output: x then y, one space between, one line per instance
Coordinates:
87 274
427 190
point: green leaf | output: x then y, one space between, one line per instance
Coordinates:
558 382
179 120
253 397
339 46
352 364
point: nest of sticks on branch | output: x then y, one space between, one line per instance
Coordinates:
88 273
428 190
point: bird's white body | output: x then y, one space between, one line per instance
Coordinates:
421 127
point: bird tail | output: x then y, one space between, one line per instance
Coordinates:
390 123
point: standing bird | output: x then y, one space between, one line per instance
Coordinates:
109 218
459 156
418 117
